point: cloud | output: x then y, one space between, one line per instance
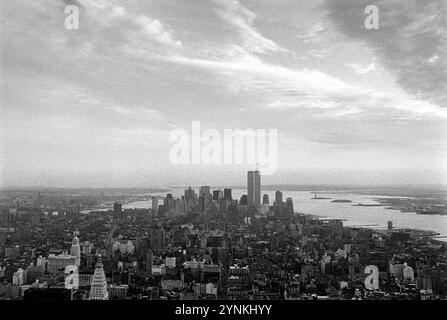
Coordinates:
363 69
411 41
312 34
261 76
243 19
105 96
114 18
298 88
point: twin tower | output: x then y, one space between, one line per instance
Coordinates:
254 188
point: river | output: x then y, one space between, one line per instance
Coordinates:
354 215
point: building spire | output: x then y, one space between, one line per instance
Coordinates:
98 286
99 262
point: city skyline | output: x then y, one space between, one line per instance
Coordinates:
213 245
218 158
94 107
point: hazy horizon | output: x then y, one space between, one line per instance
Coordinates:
304 187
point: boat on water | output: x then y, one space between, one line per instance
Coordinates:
341 201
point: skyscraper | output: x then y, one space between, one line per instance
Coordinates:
390 225
117 207
265 199
227 194
98 287
75 251
217 194
190 199
168 201
157 239
154 207
254 188
278 197
289 206
206 198
204 190
190 194
243 200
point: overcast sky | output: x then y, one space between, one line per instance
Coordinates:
95 106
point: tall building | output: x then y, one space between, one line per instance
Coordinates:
98 287
190 194
265 199
204 190
223 205
75 251
217 195
243 201
254 188
117 207
154 207
201 204
278 197
157 241
390 225
206 198
169 202
179 206
227 194
190 199
289 206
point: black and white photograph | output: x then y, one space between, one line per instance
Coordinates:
240 151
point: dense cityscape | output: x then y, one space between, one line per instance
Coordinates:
223 158
204 245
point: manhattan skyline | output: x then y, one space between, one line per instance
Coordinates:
94 107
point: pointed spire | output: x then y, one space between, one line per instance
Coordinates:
99 261
98 286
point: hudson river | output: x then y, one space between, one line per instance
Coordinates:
377 217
